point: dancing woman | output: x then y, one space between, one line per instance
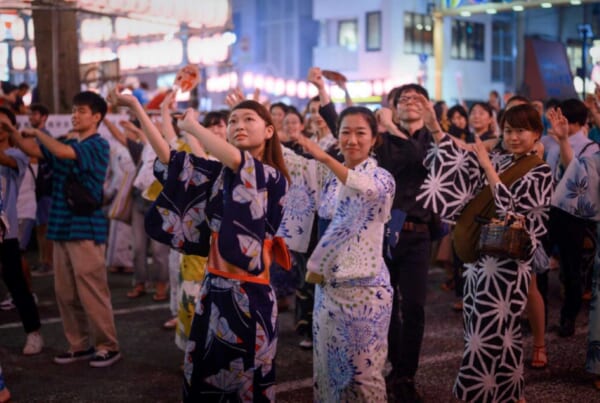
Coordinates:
238 199
353 296
495 289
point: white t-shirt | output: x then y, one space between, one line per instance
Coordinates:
26 203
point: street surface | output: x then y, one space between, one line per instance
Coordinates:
150 368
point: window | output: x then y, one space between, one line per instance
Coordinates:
373 39
468 40
503 62
418 33
348 34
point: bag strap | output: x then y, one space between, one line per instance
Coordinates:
466 232
480 203
32 172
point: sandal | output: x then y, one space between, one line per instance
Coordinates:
137 291
161 293
540 357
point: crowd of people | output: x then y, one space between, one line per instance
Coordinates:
236 215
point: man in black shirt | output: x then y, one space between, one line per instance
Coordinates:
402 152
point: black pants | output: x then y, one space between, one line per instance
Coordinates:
568 232
12 274
408 268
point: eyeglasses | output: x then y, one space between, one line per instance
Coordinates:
407 99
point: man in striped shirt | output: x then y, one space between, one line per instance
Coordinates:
80 277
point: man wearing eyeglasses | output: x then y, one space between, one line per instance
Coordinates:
402 152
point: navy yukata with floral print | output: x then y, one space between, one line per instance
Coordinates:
233 340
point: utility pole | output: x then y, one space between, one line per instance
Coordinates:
57 51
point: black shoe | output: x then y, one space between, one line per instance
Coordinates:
403 390
566 328
74 356
105 358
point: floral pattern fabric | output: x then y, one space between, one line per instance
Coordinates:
353 307
578 193
231 350
495 289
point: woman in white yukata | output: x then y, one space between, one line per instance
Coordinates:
495 288
353 296
578 193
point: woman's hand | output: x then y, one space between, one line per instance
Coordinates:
165 105
315 77
560 125
115 97
482 153
188 121
234 97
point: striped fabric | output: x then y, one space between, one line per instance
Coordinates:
90 168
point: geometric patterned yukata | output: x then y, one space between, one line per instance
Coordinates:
231 350
495 289
578 193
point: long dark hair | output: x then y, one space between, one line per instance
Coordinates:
272 154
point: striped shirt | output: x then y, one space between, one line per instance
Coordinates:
90 169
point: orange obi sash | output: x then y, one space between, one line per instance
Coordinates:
272 248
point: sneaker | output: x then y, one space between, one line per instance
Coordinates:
33 344
306 344
7 304
105 358
74 356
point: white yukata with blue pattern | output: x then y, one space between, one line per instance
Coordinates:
353 307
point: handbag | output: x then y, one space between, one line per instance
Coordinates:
79 198
481 209
122 203
505 238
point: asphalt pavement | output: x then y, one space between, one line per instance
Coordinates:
150 368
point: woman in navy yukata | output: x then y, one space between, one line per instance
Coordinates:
236 203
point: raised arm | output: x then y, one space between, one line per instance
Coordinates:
315 77
166 127
384 117
158 143
115 132
320 155
228 154
560 133
28 145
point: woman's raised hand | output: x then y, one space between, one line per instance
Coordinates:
188 120
315 76
483 155
234 97
560 125
115 97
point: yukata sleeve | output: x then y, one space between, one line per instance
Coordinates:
453 179
377 186
178 216
578 192
300 202
529 196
